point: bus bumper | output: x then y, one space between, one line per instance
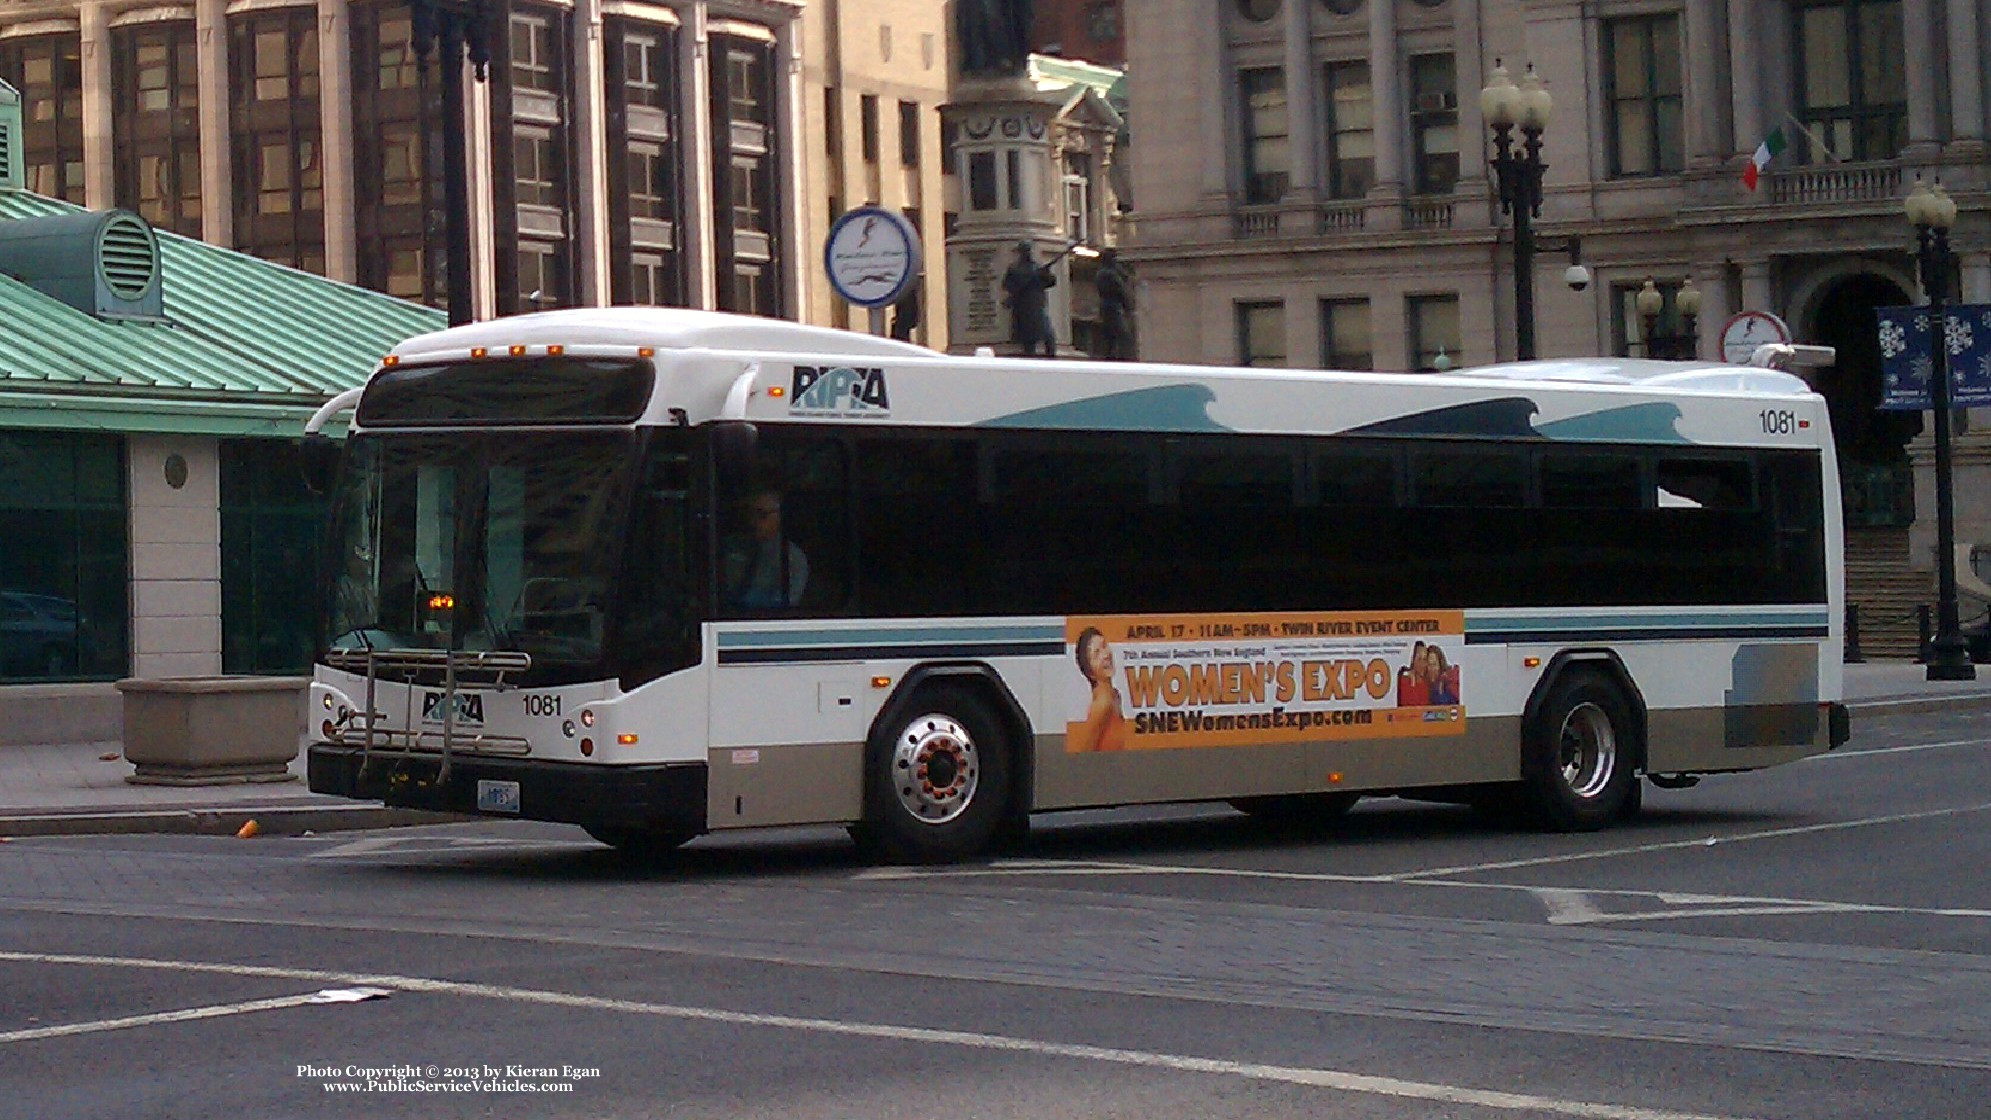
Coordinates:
662 796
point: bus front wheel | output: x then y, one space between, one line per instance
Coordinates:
937 782
1578 757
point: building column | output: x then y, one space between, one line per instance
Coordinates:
217 198
1704 139
591 157
335 117
1391 124
1469 65
175 555
1220 106
1745 73
1756 292
790 126
695 125
1966 75
1918 30
1303 115
482 175
99 151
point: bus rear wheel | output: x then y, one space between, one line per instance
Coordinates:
641 843
1579 756
937 782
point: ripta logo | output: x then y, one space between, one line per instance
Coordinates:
469 707
840 390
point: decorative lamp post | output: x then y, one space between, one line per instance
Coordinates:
460 28
1505 107
1932 212
1677 346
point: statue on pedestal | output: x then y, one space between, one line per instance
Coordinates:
994 36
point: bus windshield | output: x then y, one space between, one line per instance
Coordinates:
480 541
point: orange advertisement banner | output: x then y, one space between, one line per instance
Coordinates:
1222 680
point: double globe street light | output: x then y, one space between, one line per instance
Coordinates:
1678 345
1932 213
1506 106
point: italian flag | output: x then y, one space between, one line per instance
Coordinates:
1765 152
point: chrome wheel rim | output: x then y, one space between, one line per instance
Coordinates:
935 769
1587 750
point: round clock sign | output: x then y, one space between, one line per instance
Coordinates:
1741 335
872 256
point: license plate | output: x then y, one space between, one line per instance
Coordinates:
497 797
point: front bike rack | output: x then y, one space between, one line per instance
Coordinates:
460 669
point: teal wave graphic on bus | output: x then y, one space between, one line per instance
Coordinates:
1166 408
840 390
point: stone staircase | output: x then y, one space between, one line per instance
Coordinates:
1880 582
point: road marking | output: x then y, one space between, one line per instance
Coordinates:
432 845
187 1015
1977 742
1671 845
1293 1075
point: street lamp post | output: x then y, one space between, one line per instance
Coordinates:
460 28
1506 106
1676 346
1932 212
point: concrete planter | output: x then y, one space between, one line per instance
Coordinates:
190 731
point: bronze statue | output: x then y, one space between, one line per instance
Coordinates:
1024 285
994 35
1116 301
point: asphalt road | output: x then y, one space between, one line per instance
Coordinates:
1805 942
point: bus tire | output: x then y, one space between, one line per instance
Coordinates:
1579 755
936 779
1296 810
641 843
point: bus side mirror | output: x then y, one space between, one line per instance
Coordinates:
734 445
318 459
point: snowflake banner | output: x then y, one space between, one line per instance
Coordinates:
1906 358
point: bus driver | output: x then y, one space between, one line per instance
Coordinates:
754 564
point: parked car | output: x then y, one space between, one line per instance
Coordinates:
39 635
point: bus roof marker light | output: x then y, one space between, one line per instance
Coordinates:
390 361
555 350
516 350
646 351
478 351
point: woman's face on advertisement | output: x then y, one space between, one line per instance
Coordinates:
1099 660
1434 663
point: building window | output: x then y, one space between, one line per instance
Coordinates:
1102 22
269 559
1078 197
64 574
909 134
1258 11
1852 78
867 124
532 111
1344 334
1642 91
981 181
1434 332
1261 333
47 70
279 164
1351 130
1434 122
396 123
155 97
744 162
1266 159
1628 327
644 264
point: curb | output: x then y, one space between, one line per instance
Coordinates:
1910 705
272 820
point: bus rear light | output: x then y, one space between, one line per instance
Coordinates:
587 748
325 729
478 351
517 351
328 701
625 740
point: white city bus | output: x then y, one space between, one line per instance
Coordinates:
659 573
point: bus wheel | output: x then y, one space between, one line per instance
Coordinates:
1578 758
1296 810
641 843
938 781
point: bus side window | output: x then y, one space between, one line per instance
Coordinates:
784 542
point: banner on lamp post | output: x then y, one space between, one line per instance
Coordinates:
1907 358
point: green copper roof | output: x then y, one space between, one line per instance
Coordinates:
246 346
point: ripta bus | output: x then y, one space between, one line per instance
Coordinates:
659 573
